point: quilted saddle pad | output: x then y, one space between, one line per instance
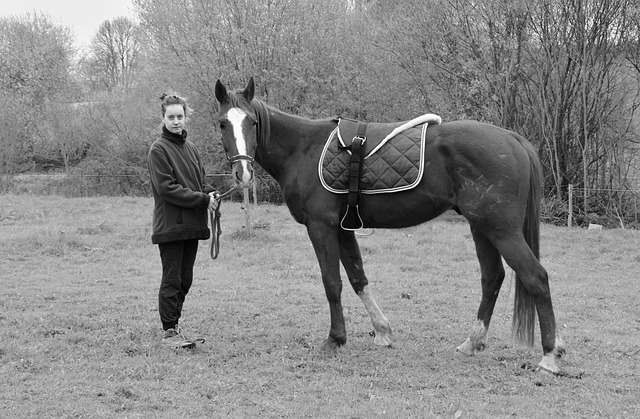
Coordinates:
394 156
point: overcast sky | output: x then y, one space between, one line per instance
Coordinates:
82 16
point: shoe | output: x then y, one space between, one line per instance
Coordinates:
173 339
197 339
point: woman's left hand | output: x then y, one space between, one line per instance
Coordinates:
214 201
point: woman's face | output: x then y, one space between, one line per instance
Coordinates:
174 118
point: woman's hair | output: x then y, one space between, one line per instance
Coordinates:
173 100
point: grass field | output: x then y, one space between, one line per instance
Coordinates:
79 328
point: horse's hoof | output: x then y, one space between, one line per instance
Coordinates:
544 370
464 351
324 352
548 365
330 347
467 348
382 340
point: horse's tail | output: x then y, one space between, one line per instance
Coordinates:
524 308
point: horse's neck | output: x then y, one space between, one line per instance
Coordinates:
292 137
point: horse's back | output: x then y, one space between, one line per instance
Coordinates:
469 136
488 168
492 150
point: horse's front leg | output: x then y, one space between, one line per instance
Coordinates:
325 243
352 262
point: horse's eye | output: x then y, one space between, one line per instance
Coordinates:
222 125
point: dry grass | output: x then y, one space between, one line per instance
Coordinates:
79 328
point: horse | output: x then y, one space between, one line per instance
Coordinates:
491 176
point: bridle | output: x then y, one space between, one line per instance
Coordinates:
214 216
238 157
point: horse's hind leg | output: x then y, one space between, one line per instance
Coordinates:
535 281
492 275
352 262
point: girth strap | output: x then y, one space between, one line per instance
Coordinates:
352 220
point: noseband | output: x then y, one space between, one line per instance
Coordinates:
238 157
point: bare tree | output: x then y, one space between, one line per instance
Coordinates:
287 45
577 71
113 61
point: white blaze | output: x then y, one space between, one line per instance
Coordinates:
235 117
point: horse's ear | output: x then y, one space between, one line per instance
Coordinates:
249 91
221 92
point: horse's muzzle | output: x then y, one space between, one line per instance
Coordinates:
242 170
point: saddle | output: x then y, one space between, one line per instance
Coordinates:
390 159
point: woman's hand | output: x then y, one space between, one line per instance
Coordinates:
214 201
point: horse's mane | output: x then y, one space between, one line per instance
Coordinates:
264 124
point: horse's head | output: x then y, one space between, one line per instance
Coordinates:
238 121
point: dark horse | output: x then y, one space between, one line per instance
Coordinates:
489 175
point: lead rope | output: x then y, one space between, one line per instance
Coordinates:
214 222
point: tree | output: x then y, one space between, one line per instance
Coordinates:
550 69
114 58
288 46
65 134
577 71
12 140
460 58
35 70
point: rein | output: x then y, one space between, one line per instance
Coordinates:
214 220
214 216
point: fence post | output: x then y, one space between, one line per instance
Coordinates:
255 192
570 217
245 207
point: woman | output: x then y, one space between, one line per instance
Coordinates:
181 199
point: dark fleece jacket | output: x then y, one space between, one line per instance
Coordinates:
180 193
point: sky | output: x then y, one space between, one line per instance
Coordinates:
82 16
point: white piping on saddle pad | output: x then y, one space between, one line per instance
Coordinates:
428 118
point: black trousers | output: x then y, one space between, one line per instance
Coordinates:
177 276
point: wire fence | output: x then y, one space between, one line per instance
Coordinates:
610 207
613 208
266 189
